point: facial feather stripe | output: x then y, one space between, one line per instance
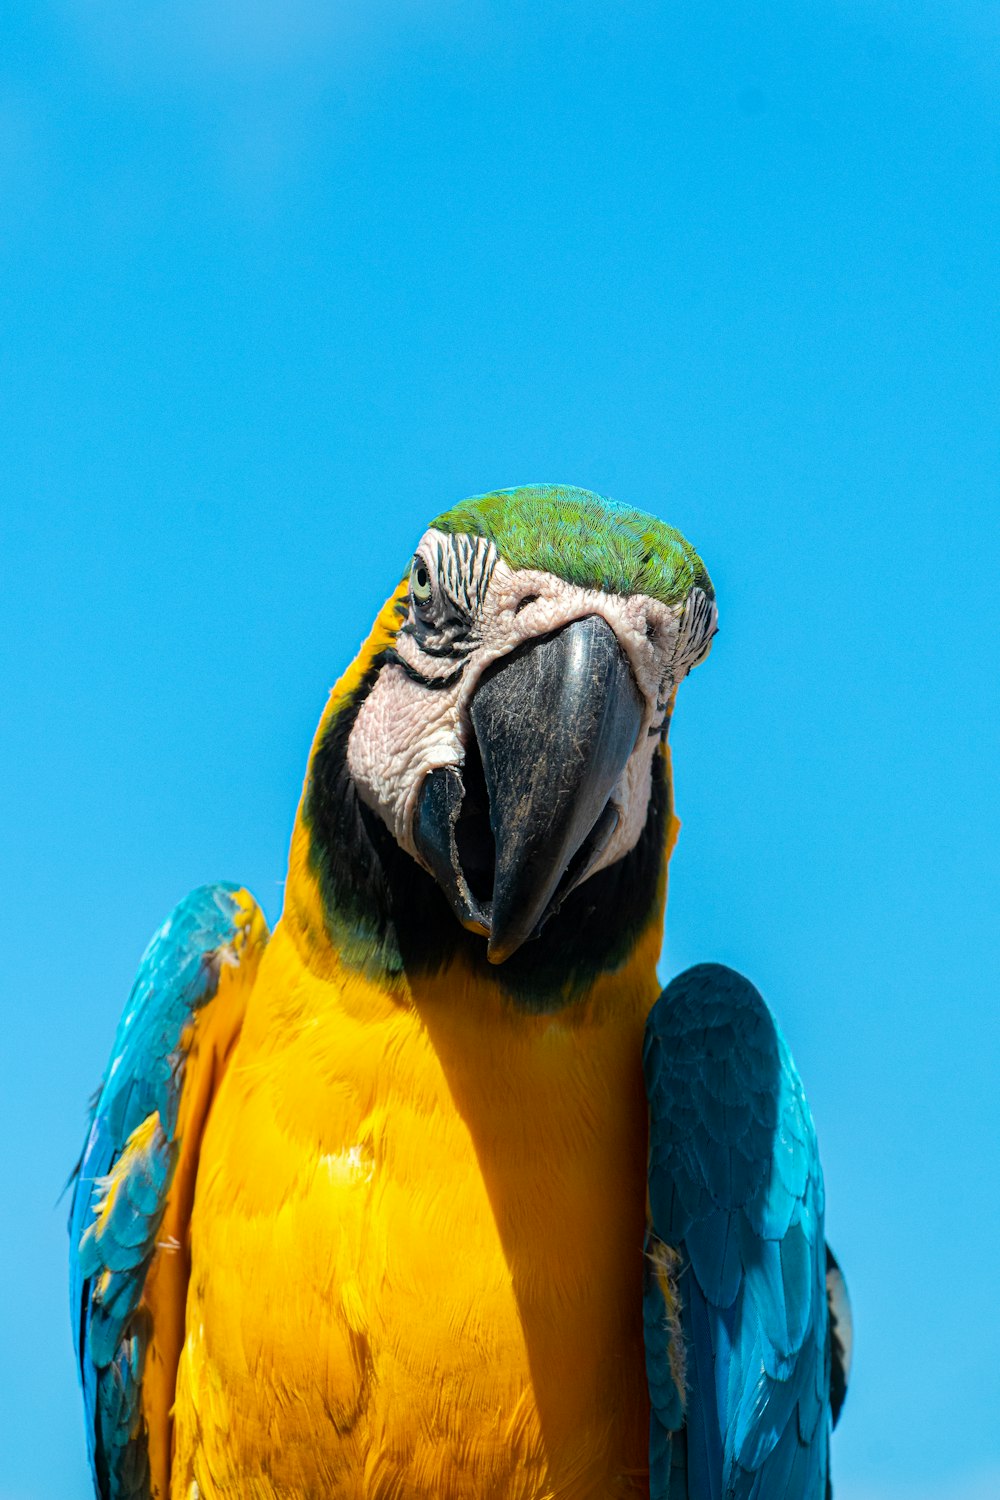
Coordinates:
464 568
444 626
698 624
467 608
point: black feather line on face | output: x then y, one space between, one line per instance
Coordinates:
386 916
453 650
448 680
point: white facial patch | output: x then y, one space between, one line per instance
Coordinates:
416 717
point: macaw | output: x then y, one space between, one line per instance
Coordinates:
431 1194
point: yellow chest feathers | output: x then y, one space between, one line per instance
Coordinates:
417 1248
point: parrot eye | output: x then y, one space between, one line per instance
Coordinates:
420 581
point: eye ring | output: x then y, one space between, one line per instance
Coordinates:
421 587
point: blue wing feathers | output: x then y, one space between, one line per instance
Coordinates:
735 1187
125 1174
664 1396
703 1430
718 1253
122 1464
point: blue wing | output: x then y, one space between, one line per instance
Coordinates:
736 1197
142 1121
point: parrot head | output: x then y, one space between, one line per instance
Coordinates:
491 773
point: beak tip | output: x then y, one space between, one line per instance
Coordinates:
503 944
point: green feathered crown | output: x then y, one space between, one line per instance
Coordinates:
582 537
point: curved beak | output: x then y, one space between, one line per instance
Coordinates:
507 839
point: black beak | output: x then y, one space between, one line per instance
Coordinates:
509 838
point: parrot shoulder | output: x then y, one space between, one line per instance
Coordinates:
135 1180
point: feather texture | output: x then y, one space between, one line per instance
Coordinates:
585 538
148 1112
736 1191
361 1213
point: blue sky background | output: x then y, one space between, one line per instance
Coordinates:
279 280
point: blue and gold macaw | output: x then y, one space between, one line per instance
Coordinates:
431 1194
